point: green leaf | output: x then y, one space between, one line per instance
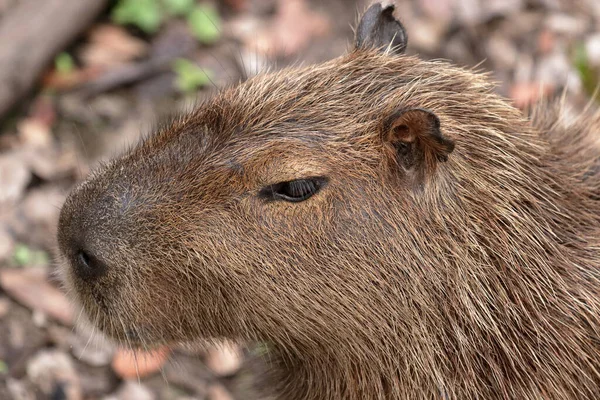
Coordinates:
205 23
22 255
3 367
25 256
64 63
178 7
145 14
190 77
590 78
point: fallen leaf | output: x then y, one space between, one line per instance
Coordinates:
43 110
566 24
36 129
132 390
6 244
294 27
60 81
426 34
14 177
224 360
52 371
502 51
145 14
64 63
31 288
438 10
546 41
41 206
205 23
111 45
24 256
9 141
34 133
218 392
190 77
129 364
526 94
178 7
4 306
592 49
51 163
237 5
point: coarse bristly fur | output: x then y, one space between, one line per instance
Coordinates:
453 252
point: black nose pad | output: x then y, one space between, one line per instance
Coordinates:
88 266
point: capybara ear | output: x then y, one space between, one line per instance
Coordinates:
415 137
378 28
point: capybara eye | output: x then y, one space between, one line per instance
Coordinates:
294 191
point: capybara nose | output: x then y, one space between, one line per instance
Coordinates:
79 237
87 266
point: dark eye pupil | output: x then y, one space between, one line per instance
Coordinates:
298 189
294 191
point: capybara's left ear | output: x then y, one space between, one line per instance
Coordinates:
379 29
414 137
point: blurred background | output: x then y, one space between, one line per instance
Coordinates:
82 79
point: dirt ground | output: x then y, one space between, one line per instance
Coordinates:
118 79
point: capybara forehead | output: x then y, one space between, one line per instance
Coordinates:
339 101
328 115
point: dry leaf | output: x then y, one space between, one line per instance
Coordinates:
34 132
546 41
6 244
592 49
130 364
526 94
4 307
132 390
237 5
50 369
31 288
111 45
66 81
439 10
51 163
218 392
43 110
294 27
224 360
14 177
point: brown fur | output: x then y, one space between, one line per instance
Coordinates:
480 281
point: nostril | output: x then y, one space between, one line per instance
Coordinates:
83 259
88 266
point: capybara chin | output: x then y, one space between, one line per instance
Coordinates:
390 227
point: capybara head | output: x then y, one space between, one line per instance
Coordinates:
375 208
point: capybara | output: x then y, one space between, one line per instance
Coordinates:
390 227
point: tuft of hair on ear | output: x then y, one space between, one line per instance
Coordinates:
414 140
379 29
